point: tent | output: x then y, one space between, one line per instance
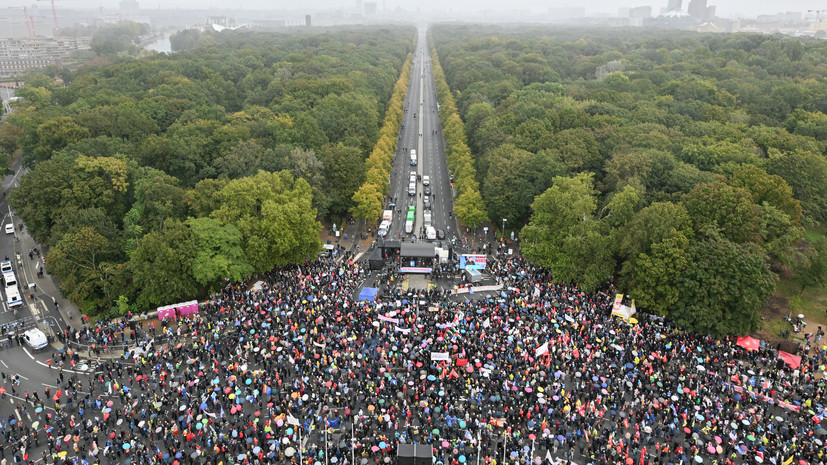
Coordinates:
368 293
375 261
749 343
794 361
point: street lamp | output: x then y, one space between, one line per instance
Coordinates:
504 220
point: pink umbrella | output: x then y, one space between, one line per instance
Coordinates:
445 444
374 448
711 449
718 439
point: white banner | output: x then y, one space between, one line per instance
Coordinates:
389 320
543 349
402 330
441 356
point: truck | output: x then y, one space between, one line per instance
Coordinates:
387 215
384 227
426 217
413 157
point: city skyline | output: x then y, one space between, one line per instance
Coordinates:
730 9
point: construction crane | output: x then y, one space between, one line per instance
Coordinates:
28 19
818 14
54 15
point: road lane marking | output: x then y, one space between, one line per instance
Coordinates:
4 364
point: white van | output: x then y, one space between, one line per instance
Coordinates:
426 217
35 339
5 266
413 157
383 228
430 233
412 188
408 227
426 180
13 297
9 278
10 228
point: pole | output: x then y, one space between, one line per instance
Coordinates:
325 442
531 459
352 444
300 443
505 445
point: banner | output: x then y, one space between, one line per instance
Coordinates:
389 320
440 356
543 349
179 309
618 303
291 420
472 261
415 269
402 330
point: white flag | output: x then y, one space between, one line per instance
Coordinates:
291 420
543 349
549 458
486 323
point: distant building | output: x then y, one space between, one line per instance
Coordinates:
641 12
674 5
370 8
565 13
697 8
129 6
18 55
359 7
710 12
307 20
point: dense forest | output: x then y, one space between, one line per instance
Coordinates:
690 169
152 180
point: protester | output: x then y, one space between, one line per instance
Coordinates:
535 371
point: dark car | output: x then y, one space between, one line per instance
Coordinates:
440 234
427 190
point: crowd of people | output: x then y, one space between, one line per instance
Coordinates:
295 370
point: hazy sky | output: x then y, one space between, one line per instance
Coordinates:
725 8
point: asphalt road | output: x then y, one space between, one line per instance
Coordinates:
421 130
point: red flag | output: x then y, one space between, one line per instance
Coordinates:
461 362
58 394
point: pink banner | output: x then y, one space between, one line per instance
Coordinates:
178 310
389 320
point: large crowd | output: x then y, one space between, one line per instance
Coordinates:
294 370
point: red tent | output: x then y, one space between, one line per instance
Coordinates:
748 342
792 360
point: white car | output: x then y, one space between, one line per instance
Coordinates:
10 228
426 180
35 339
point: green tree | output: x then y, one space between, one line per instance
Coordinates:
470 208
728 209
343 174
652 281
723 289
367 203
161 266
274 213
564 236
219 252
80 260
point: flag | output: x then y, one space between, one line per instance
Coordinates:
468 436
543 349
291 420
486 323
549 458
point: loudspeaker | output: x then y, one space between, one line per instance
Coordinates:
405 454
